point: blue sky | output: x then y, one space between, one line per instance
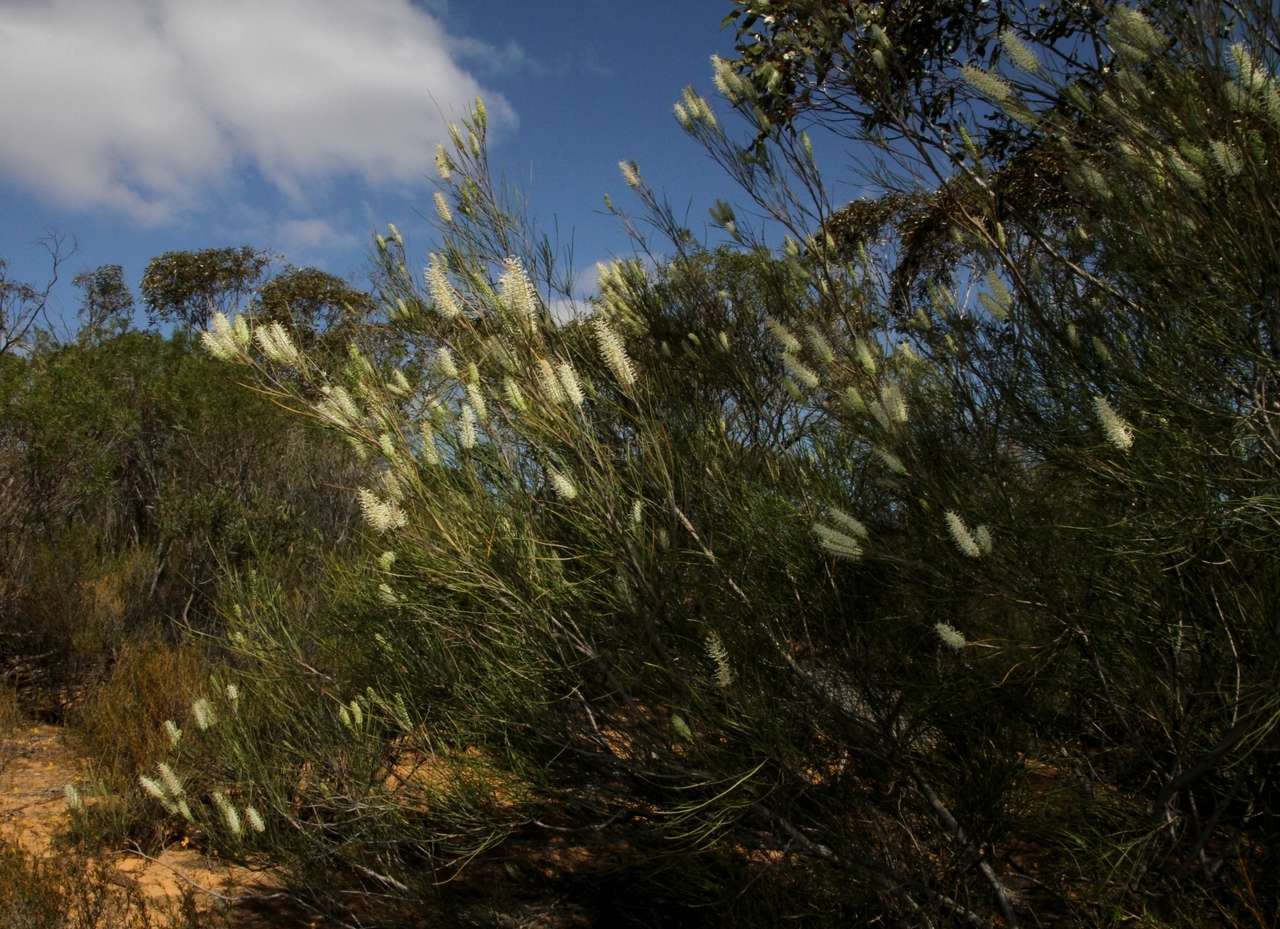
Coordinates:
302 126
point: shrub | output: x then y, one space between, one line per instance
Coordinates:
830 577
134 474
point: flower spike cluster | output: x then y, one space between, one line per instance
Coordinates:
277 346
613 352
226 340
380 515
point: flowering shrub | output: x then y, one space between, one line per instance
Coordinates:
931 595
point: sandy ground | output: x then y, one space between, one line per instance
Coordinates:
35 765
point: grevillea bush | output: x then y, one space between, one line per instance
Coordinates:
821 589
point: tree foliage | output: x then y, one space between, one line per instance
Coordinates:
187 287
106 306
895 67
311 300
135 473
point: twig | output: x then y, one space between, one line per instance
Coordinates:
1003 894
887 879
383 878
593 827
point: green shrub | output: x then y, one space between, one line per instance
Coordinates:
941 585
135 473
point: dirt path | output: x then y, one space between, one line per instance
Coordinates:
35 766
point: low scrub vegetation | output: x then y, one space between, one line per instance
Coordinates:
77 893
907 564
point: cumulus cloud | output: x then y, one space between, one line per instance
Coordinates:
148 106
311 233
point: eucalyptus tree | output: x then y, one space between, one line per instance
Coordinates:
106 304
186 288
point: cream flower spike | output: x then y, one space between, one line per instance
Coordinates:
961 535
1118 432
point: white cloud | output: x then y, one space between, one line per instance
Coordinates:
563 311
586 286
148 107
297 238
305 234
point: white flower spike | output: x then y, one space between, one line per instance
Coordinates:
1118 432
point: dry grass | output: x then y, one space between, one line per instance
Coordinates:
120 726
72 892
10 711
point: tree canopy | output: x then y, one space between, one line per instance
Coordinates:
187 287
106 303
